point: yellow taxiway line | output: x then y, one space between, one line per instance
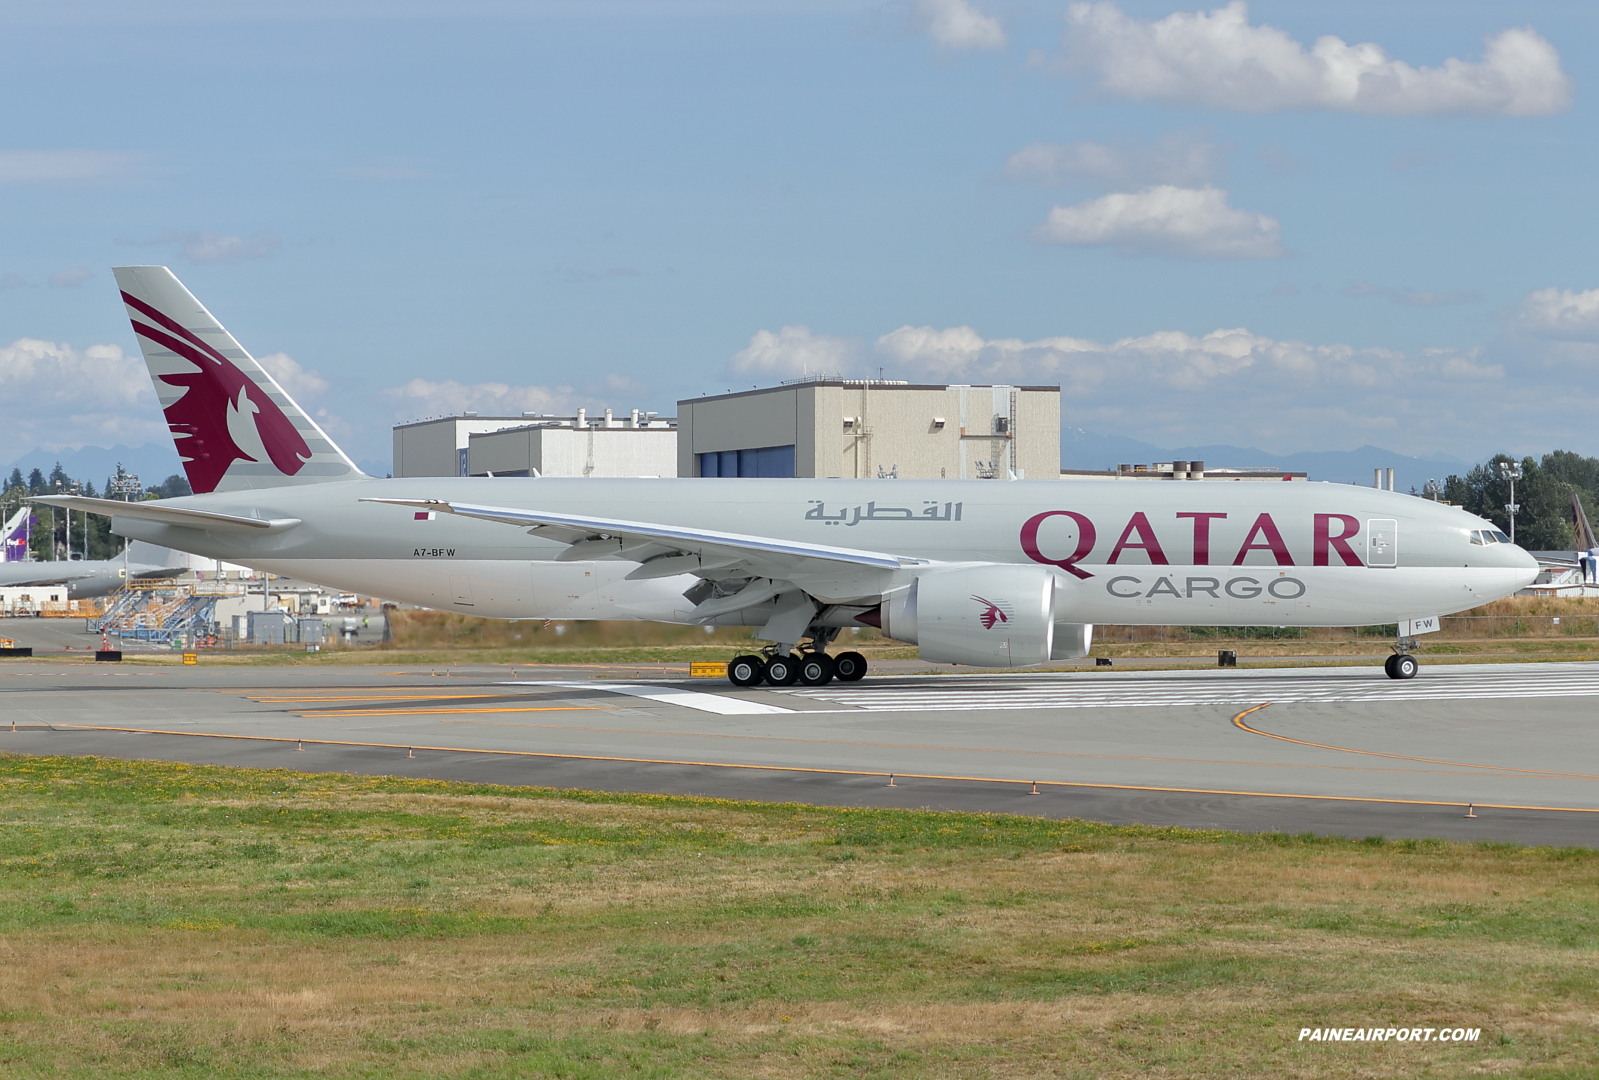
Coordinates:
1238 721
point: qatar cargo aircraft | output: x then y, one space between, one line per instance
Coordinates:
988 573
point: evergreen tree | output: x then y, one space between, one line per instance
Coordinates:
173 487
1544 521
36 483
16 480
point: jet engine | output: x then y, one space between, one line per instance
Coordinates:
1000 615
1072 641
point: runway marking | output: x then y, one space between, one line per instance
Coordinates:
1238 721
1030 753
673 695
828 772
443 712
1073 691
367 697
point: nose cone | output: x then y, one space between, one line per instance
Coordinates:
1526 566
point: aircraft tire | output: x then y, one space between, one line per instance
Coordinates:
782 671
1388 667
817 669
746 670
1405 667
849 666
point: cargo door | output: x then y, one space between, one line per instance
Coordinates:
1382 542
461 590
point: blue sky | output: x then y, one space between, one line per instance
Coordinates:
1207 227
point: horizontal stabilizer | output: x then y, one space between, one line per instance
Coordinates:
177 516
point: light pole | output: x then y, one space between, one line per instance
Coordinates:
1511 471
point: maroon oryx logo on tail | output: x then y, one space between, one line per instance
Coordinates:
217 399
992 613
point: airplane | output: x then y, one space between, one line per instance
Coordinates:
85 578
987 573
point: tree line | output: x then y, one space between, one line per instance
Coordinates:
91 533
1544 493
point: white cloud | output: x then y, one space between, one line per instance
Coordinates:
70 278
58 397
302 385
1178 157
1420 298
423 397
956 24
936 352
1217 59
54 166
1561 314
210 247
1195 223
1230 385
794 350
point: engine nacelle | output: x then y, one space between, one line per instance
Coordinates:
1073 640
1000 615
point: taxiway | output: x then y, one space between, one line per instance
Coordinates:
1327 750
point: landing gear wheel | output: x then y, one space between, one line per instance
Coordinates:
817 669
782 671
746 670
1388 666
1405 666
849 666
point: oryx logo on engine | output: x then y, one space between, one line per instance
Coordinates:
993 612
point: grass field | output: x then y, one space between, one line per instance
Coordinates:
169 920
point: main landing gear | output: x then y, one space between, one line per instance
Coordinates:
813 668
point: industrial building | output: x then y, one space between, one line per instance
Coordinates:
641 444
872 428
1180 470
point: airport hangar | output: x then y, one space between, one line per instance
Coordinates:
818 426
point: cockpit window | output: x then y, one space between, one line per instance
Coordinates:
1499 536
1489 536
1476 537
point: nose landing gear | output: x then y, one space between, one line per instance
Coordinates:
1402 665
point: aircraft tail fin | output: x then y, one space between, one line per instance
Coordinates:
13 536
1579 520
233 425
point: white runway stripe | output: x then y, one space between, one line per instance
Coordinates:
1076 691
723 705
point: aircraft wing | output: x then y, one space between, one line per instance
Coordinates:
669 550
179 516
27 574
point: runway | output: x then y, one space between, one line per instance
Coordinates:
1327 750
